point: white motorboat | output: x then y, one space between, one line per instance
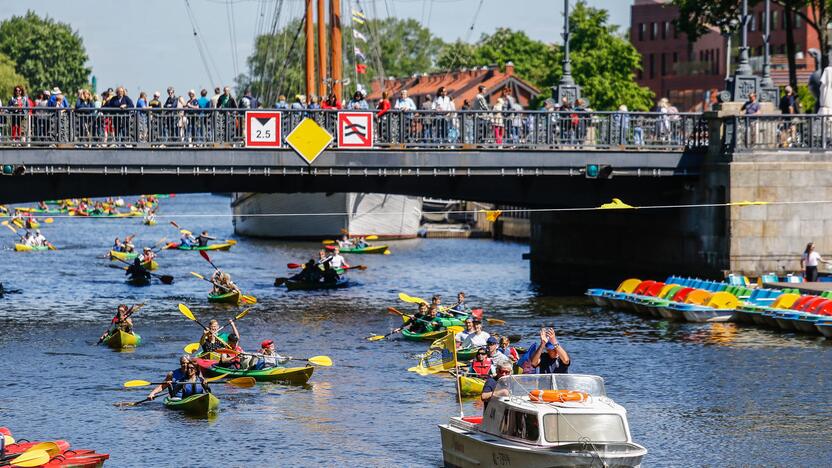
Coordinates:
589 429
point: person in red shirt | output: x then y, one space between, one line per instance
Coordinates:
384 104
331 102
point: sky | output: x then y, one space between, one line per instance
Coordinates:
149 44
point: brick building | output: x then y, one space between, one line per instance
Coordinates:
461 85
685 72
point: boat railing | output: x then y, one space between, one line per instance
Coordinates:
461 130
521 385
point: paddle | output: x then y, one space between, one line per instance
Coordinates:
30 459
165 279
242 382
381 337
6 223
243 298
50 447
192 348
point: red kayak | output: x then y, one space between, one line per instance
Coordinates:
22 447
80 458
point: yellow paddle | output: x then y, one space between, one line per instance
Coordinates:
31 458
328 242
48 220
50 447
323 361
413 300
242 382
371 238
192 348
7 439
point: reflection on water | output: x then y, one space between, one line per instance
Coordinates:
697 394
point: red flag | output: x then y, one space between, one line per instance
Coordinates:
360 68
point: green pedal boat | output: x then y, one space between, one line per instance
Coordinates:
201 404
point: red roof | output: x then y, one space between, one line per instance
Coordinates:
461 85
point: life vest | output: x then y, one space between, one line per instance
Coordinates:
482 368
186 389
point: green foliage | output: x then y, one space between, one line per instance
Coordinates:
9 78
456 55
406 47
806 99
603 62
533 60
45 52
697 16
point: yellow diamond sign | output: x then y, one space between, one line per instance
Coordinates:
309 139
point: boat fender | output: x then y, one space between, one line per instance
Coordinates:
558 396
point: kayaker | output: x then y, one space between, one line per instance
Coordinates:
460 305
227 284
310 273
128 244
330 275
345 242
268 357
420 322
477 339
495 355
463 335
192 384
187 239
137 272
40 240
213 340
231 362
118 246
121 321
176 375
555 360
147 255
323 256
481 364
507 350
203 238
337 260
29 239
42 206
490 386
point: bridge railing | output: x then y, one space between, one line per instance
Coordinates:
779 132
458 130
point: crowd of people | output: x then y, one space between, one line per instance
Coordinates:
196 117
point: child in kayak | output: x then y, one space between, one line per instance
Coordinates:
213 340
231 362
121 321
266 357
460 306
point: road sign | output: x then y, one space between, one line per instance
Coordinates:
355 129
309 139
263 129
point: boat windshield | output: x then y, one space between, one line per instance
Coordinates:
521 385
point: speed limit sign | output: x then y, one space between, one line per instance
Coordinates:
263 129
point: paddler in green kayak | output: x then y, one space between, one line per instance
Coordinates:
231 362
172 377
213 340
191 384
425 320
460 306
203 238
265 358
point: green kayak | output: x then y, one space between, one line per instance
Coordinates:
196 405
289 375
232 297
432 335
369 249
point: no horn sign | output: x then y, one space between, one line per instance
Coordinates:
263 129
355 129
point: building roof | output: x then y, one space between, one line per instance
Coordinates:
461 85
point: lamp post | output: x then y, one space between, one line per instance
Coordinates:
744 82
768 92
566 88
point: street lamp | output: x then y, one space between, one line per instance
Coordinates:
566 88
768 92
744 82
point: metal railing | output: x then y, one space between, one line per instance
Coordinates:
458 130
789 132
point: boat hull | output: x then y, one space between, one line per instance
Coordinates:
467 449
121 339
228 298
195 405
360 214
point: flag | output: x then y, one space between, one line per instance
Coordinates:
441 356
360 68
358 17
359 55
492 215
356 34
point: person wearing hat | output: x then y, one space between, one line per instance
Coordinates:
494 354
554 360
477 339
268 357
481 365
56 98
228 361
147 255
40 239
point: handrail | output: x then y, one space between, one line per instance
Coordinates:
460 130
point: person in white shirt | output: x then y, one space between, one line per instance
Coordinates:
29 239
463 335
404 103
477 339
809 262
39 239
497 358
443 103
336 260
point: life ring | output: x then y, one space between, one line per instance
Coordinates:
558 396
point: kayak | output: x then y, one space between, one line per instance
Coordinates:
138 281
370 249
27 248
22 224
130 256
468 354
222 246
470 386
200 404
121 339
289 375
149 222
300 285
232 297
432 335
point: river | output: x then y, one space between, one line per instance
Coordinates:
717 394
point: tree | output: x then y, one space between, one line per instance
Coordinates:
45 52
9 78
603 62
456 55
533 60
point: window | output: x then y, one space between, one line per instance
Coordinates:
665 29
774 16
783 18
798 21
577 427
520 425
716 63
654 31
752 25
675 57
652 66
664 64
641 28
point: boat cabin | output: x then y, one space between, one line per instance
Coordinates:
586 414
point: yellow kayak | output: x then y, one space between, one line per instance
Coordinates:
130 256
33 224
470 386
27 248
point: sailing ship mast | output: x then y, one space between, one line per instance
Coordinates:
335 51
